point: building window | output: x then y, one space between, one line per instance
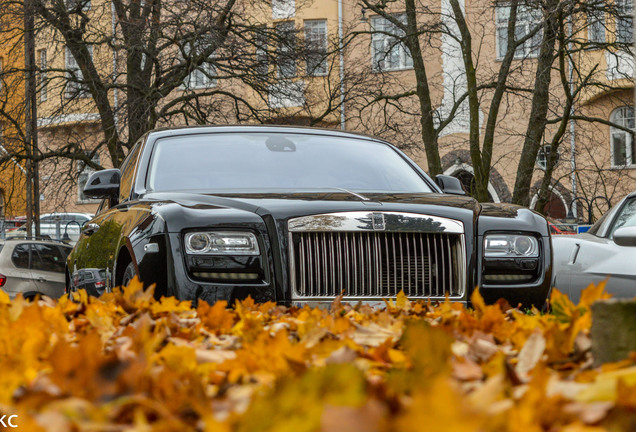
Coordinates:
73 5
283 9
42 77
316 47
286 33
75 84
623 149
624 21
84 172
596 23
387 49
544 155
528 19
262 59
202 77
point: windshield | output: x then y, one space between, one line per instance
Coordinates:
265 161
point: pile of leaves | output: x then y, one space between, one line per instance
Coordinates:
125 362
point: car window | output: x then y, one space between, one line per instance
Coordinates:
626 217
20 256
128 171
269 161
65 250
600 227
47 258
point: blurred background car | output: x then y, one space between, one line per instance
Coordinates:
9 225
32 267
92 280
608 249
57 226
560 229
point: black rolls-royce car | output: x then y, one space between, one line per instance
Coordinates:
298 215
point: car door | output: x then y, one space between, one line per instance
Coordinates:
97 243
47 268
16 268
599 258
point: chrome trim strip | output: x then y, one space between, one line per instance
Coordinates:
364 221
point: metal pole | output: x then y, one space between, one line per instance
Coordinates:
28 64
341 52
113 40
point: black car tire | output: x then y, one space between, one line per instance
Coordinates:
129 274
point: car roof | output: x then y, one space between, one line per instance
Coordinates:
193 130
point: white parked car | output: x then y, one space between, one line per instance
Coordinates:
608 249
70 225
32 267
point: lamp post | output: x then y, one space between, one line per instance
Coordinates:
66 237
571 219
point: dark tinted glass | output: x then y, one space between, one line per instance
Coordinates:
258 161
20 256
47 258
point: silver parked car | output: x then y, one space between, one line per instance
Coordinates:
608 249
32 267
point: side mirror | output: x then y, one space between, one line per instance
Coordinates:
450 184
103 184
625 236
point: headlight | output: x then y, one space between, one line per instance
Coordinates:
221 243
511 246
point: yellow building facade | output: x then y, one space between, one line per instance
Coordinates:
595 159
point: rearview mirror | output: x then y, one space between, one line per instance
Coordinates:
103 184
625 236
450 184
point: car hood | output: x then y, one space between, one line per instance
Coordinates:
207 209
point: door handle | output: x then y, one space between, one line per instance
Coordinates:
41 279
90 228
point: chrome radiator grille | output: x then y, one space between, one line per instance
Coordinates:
372 264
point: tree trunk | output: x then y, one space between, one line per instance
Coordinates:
613 330
539 111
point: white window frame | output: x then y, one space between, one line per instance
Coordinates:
204 76
286 67
83 173
43 76
393 54
527 19
596 24
75 88
316 47
624 21
543 155
623 116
